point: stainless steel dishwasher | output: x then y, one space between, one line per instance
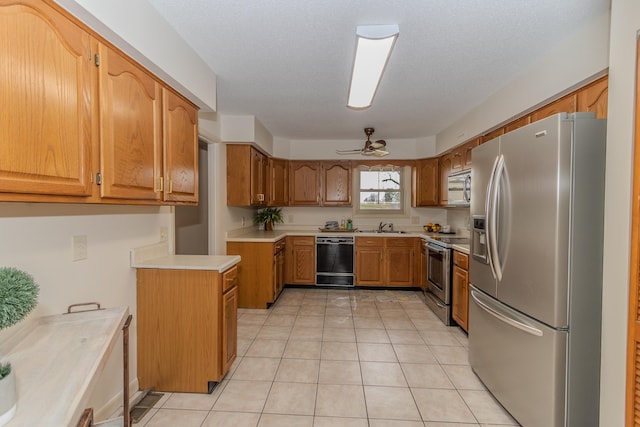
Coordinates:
334 261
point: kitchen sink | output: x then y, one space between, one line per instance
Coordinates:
382 232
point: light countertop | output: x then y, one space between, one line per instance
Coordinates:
254 235
57 362
190 262
462 248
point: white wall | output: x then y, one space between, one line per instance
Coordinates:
139 30
581 57
625 23
36 237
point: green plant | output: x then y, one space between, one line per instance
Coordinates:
18 295
5 369
268 215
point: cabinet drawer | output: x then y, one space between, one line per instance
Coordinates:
229 279
303 240
461 260
279 246
399 242
370 241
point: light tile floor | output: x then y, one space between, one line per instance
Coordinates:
341 358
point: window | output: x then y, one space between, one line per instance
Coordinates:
380 189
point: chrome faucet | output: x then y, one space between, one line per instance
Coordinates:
383 225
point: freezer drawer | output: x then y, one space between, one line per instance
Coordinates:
521 361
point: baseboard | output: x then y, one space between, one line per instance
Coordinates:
113 407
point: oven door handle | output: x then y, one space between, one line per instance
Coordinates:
437 249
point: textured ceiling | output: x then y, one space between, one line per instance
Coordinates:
288 61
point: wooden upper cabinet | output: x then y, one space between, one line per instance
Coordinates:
492 135
305 179
566 104
467 148
337 183
425 183
594 98
180 134
258 178
45 98
278 182
130 129
445 169
246 176
516 124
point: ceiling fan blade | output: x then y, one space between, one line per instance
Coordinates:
379 153
377 144
348 151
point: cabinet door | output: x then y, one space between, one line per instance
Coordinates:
180 132
337 183
594 98
238 174
445 170
493 134
130 129
278 182
460 297
522 121
370 261
45 97
229 328
301 265
426 182
399 261
258 178
468 147
305 183
565 104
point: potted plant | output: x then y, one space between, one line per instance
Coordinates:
18 296
268 217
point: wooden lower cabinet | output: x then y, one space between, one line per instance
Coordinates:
260 272
423 265
460 289
301 260
370 268
386 261
187 328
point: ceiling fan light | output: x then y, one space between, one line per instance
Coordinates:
373 48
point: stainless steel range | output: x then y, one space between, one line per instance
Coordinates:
439 265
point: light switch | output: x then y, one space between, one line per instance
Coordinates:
79 248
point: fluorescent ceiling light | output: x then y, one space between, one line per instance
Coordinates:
373 48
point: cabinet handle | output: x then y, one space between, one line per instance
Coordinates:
170 186
161 181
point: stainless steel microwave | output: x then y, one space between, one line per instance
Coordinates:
459 189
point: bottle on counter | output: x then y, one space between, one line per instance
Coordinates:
349 224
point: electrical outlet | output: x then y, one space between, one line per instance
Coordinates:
415 220
79 248
290 219
164 234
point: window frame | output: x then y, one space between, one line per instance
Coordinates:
405 196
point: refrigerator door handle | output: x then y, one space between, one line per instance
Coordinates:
503 317
493 219
489 209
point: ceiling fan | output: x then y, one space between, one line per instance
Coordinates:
375 148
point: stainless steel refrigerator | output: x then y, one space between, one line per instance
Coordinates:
536 269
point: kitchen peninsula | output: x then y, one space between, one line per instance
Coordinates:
187 319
